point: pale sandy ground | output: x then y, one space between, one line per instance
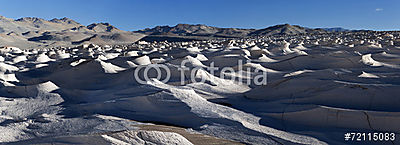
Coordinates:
319 87
195 138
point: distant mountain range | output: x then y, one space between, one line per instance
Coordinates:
31 32
336 29
196 30
189 32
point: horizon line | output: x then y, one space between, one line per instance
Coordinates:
238 27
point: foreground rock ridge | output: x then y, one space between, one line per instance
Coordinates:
319 86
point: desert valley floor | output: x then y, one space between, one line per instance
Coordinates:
65 83
318 88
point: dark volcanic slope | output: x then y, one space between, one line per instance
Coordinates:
285 29
192 32
196 30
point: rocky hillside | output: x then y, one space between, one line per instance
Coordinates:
30 32
199 31
196 30
27 24
285 29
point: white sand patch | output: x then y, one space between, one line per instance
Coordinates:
132 53
265 58
297 73
43 58
194 62
19 58
143 60
207 109
8 77
201 57
367 75
109 67
368 60
7 67
75 63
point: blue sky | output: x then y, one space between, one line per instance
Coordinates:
140 14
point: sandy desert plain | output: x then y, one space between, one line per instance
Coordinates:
65 83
